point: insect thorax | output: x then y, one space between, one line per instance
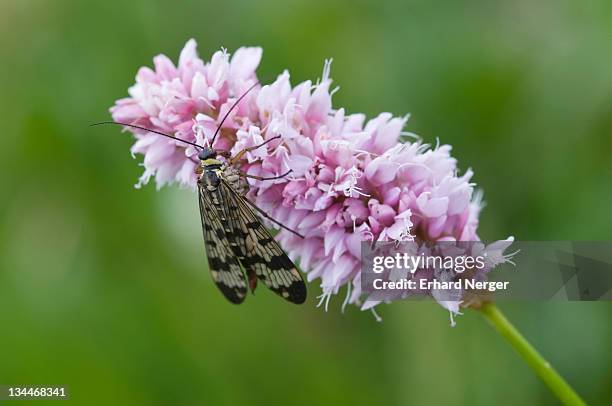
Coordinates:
211 171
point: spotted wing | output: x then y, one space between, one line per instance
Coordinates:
260 252
223 263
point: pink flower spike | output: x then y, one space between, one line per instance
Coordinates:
351 179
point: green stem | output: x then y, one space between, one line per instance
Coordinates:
555 382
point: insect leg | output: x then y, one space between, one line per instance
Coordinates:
239 155
246 175
263 213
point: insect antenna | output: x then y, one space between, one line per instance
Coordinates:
178 139
212 143
146 129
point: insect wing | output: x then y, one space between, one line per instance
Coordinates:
261 252
223 263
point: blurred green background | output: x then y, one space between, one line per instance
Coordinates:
104 288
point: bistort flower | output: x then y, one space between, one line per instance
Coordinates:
352 179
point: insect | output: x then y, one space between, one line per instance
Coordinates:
239 248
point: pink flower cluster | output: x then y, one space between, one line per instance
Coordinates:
353 179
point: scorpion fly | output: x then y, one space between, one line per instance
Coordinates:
240 250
